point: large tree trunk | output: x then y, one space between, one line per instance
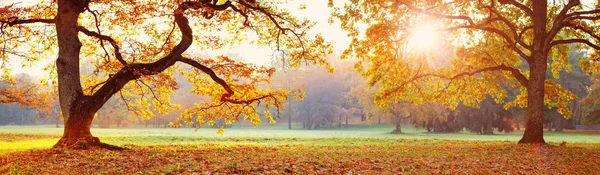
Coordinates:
77 119
534 127
77 131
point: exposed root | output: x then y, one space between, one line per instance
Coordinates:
84 143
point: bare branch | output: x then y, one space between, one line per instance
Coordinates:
15 21
513 28
105 38
559 21
525 9
580 13
569 41
505 36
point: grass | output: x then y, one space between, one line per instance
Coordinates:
268 133
362 149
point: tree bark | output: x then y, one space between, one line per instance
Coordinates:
488 124
78 120
398 122
77 132
534 127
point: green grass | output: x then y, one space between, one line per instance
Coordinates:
262 134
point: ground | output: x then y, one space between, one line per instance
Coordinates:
276 150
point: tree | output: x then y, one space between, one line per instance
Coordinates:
590 104
494 40
144 54
22 91
324 100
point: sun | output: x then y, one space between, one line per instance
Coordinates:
423 37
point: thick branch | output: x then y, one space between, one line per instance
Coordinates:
105 38
569 41
525 9
15 21
559 21
210 72
134 71
473 25
580 13
512 27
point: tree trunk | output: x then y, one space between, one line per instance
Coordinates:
57 121
559 123
346 121
78 120
398 122
517 122
534 127
488 129
77 132
289 112
379 120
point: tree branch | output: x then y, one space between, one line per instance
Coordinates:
516 73
505 36
16 21
512 27
410 6
211 73
104 38
569 41
473 25
559 21
525 9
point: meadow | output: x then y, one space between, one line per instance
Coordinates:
362 149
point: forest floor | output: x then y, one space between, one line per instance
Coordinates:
276 150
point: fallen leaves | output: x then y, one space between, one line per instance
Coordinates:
318 156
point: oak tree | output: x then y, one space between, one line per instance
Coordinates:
135 48
495 41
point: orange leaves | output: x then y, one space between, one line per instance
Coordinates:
25 93
317 156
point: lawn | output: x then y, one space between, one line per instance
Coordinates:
362 149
